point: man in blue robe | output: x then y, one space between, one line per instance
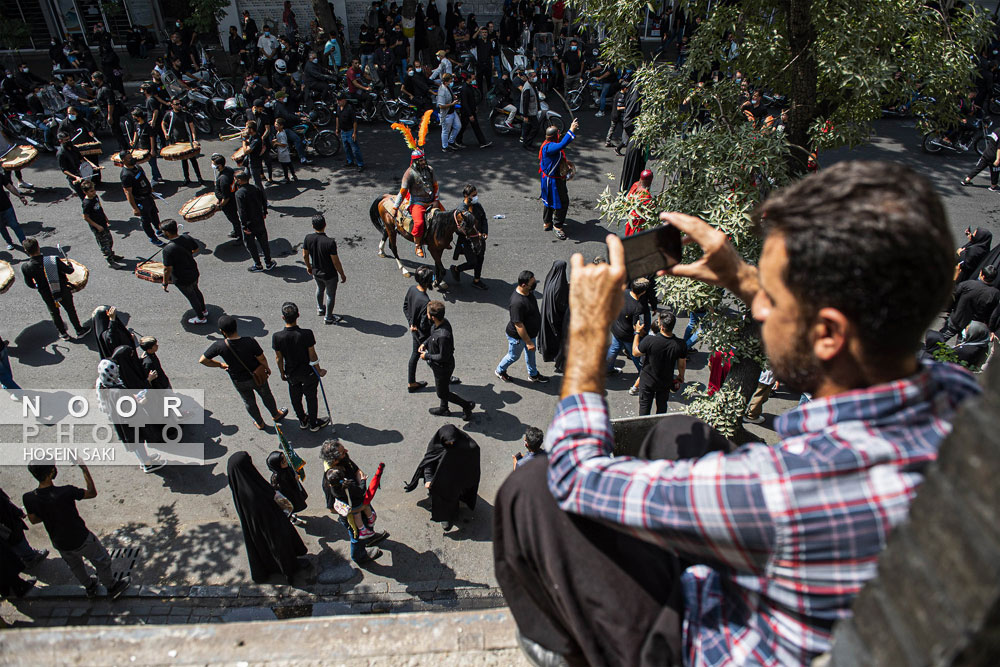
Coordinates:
555 169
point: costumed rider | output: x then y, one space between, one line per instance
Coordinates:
419 186
639 194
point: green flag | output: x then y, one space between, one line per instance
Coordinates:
295 461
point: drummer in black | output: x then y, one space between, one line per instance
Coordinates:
48 276
139 193
110 105
97 220
178 126
252 210
145 139
180 268
69 159
225 188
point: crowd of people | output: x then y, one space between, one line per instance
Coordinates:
687 535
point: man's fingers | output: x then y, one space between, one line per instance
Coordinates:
616 252
575 263
694 227
693 270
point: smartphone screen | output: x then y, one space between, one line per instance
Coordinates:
653 250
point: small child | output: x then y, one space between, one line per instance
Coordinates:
349 491
151 363
281 142
286 482
97 220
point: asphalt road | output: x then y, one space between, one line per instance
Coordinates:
183 516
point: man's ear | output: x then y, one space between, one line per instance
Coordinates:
831 333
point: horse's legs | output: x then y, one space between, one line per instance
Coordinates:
381 245
439 274
395 254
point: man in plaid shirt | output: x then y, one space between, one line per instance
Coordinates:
702 554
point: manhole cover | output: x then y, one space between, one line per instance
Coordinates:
123 561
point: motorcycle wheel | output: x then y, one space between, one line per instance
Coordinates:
575 100
390 111
238 118
994 105
202 123
323 115
327 143
930 143
215 112
497 119
980 145
224 89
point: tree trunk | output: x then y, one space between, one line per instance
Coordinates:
325 16
802 93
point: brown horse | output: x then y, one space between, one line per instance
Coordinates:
440 227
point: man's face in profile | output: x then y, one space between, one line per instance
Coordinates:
787 339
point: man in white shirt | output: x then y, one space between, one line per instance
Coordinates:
268 45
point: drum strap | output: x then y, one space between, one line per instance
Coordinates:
50 265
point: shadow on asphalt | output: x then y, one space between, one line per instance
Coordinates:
374 328
366 435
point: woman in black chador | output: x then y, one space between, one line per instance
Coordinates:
555 316
273 544
450 470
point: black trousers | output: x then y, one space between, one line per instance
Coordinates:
194 164
229 210
472 261
194 297
67 304
256 172
466 122
305 384
986 160
528 130
411 366
557 216
149 215
648 394
116 132
246 390
254 237
587 589
442 381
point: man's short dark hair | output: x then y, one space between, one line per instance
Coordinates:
989 273
870 239
424 276
30 245
289 312
469 189
435 309
168 226
218 159
252 125
533 438
242 175
667 321
524 277
319 222
639 285
41 470
227 324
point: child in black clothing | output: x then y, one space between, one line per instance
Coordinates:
286 482
151 363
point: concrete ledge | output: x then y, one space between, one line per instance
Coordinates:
454 638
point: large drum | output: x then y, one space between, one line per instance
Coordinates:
150 271
140 154
201 207
239 155
6 276
89 148
80 276
19 157
184 150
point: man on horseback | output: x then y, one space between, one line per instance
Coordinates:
419 183
421 186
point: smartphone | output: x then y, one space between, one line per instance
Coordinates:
653 250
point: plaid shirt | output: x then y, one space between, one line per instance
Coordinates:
785 536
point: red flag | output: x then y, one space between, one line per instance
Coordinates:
373 485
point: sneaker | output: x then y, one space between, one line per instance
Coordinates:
538 379
599 114
305 160
508 125
270 266
92 588
348 164
965 182
154 464
372 519
994 188
334 319
456 146
502 376
157 242
321 311
365 533
304 424
756 420
487 144
65 336
198 320
296 521
479 284
614 370
560 234
26 184
282 413
156 181
256 268
439 412
319 424
448 149
80 333
234 235
10 246
119 588
633 391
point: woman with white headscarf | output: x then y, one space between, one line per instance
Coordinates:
109 388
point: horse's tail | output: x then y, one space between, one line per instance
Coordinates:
374 214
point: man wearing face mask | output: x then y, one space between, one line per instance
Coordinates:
139 194
225 189
572 66
472 240
268 45
400 47
316 78
450 123
529 109
178 126
109 104
467 114
417 87
253 89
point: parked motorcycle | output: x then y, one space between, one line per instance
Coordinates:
546 117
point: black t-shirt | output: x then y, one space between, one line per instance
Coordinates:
573 63
135 178
225 186
524 309
69 158
660 355
320 247
92 209
152 106
294 344
254 148
106 97
347 118
4 193
177 255
623 328
143 134
247 350
177 124
56 507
